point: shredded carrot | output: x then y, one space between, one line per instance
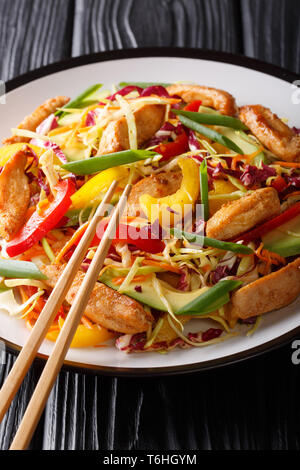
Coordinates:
83 119
269 258
287 164
235 161
295 193
36 250
60 130
143 277
206 267
166 266
247 157
79 232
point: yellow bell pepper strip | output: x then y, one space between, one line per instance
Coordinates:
84 336
166 208
9 150
96 164
90 193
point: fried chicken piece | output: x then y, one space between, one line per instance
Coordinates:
268 293
157 186
34 119
217 99
14 195
272 132
106 306
149 119
239 216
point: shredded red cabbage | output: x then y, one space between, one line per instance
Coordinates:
219 273
138 289
297 130
184 280
41 182
211 333
57 150
155 90
253 175
47 125
193 141
125 91
90 118
219 169
293 181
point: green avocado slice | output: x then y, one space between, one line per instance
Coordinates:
148 296
284 240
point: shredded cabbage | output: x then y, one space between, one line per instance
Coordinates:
10 305
132 132
47 165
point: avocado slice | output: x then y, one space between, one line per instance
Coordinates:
282 241
148 296
240 138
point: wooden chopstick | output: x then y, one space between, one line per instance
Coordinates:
49 312
55 361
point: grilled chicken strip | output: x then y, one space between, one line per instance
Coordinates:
14 195
149 119
268 293
272 132
157 186
34 119
239 216
217 99
106 306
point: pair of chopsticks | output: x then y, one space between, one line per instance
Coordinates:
47 316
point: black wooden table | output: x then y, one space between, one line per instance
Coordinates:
251 405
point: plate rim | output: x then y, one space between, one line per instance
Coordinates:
174 52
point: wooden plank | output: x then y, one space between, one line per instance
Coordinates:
12 419
271 31
33 33
101 25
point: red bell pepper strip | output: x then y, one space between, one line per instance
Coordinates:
281 219
279 184
143 238
38 225
172 149
193 106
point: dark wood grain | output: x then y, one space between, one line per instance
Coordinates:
33 33
252 405
104 25
271 31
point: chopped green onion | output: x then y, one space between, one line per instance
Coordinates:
47 249
143 84
96 164
15 269
204 188
77 102
212 299
212 119
211 134
202 240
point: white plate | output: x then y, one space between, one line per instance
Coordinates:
250 86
